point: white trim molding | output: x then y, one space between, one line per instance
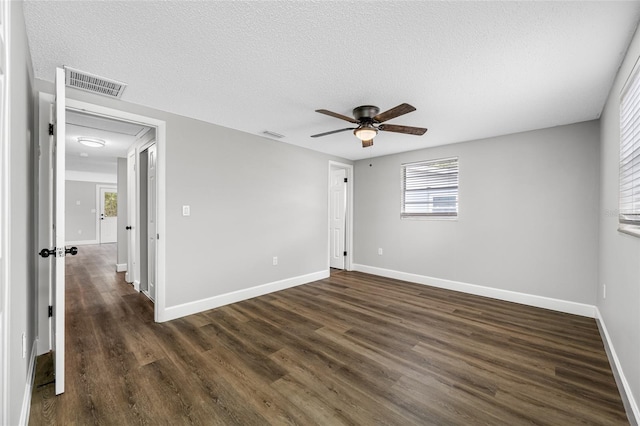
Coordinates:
82 243
121 267
90 177
630 404
178 311
31 375
566 306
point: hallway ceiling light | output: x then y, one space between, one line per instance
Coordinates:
92 142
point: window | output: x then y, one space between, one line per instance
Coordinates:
629 213
430 188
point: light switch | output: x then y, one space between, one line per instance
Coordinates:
78 203
186 210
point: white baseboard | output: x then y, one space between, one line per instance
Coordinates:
628 400
82 243
121 267
31 375
494 293
190 308
136 285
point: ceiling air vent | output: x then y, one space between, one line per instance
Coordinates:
93 83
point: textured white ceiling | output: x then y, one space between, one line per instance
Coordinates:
118 137
472 69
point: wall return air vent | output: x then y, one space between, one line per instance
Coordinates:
93 83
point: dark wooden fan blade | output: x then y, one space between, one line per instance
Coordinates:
394 112
336 115
419 131
332 132
366 144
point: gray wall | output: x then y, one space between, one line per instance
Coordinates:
122 212
22 205
251 198
619 253
527 220
79 218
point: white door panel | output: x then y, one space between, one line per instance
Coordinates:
108 215
58 284
338 217
151 220
131 274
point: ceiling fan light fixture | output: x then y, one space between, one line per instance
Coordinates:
92 142
365 132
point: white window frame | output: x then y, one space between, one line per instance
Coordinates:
629 160
434 186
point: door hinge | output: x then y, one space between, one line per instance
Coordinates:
50 311
345 180
50 129
344 253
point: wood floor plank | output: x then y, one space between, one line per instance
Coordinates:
352 349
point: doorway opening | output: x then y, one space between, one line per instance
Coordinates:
84 116
148 216
107 217
340 217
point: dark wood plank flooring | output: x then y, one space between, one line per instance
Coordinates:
353 349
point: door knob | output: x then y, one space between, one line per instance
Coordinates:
128 228
71 250
47 252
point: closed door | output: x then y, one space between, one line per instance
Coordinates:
338 205
108 215
151 220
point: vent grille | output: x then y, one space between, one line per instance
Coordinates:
93 83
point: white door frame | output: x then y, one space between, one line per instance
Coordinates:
99 187
160 126
5 229
145 222
133 207
348 261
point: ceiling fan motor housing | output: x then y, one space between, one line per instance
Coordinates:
365 112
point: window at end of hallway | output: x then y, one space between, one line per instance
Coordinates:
629 205
430 189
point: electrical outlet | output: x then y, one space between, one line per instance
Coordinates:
275 260
379 252
79 231
186 210
604 291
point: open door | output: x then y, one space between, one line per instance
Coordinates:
58 284
151 221
338 218
56 211
132 275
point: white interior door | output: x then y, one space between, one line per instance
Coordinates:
130 276
108 214
58 284
151 220
4 193
337 208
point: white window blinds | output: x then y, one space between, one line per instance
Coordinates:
630 152
430 188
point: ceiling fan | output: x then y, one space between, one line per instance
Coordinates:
369 121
